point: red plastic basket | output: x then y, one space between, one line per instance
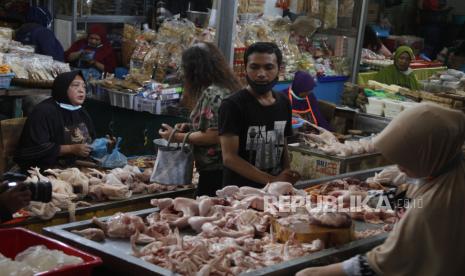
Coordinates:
16 240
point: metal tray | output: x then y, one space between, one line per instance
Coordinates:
100 209
309 150
116 253
362 175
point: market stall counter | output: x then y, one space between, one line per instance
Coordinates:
16 94
420 74
119 253
136 202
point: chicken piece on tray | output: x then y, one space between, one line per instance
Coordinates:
94 234
331 219
121 225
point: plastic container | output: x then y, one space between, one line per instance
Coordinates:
391 105
100 94
121 99
5 80
374 110
375 102
145 104
153 106
332 78
16 240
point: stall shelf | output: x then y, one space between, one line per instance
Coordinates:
420 73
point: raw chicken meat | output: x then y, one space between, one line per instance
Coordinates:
331 219
329 144
72 176
105 191
121 225
94 234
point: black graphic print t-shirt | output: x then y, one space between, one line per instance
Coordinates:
261 131
77 134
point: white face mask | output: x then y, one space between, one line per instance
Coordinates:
407 72
69 107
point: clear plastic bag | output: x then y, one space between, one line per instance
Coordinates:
116 159
6 33
330 14
12 268
39 68
43 259
99 148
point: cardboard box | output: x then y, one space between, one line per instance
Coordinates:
312 164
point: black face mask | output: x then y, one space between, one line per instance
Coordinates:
261 88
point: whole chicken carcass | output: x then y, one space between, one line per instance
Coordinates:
138 187
73 176
228 191
188 207
121 225
116 192
95 173
279 188
61 187
44 211
35 176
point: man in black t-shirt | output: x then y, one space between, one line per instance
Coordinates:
254 124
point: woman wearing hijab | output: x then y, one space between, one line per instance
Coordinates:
400 73
59 130
94 51
36 33
426 143
303 101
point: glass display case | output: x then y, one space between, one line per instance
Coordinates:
313 29
72 16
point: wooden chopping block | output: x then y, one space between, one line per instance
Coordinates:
304 232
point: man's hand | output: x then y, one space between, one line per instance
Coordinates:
15 198
81 150
287 175
182 127
166 131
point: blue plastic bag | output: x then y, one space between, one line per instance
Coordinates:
99 148
116 159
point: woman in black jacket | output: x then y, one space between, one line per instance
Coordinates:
59 130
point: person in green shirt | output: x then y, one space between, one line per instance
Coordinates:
400 73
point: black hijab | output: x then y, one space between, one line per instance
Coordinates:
61 85
44 131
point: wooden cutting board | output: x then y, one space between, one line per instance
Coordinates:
305 232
